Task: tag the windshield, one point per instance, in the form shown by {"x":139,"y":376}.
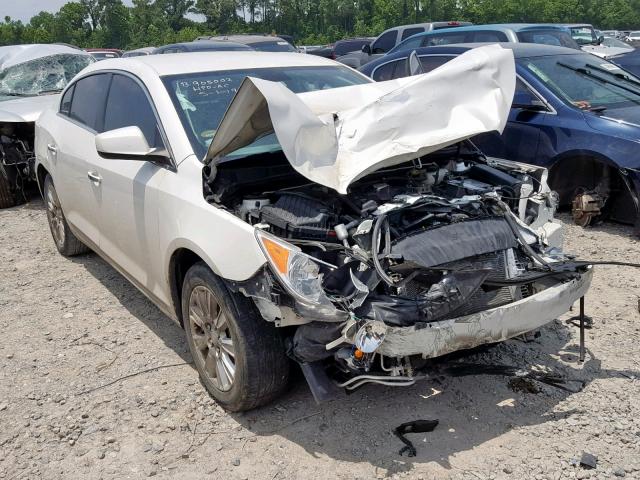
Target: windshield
{"x":279,"y":46}
{"x":585,"y":81}
{"x":614,"y":42}
{"x":584,"y":35}
{"x":42,"y":75}
{"x":548,"y":37}
{"x":201,"y":99}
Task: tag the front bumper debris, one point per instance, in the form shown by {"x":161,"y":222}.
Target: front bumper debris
{"x":495,"y":325}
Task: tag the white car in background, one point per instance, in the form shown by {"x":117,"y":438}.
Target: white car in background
{"x":31,"y":79}
{"x":608,"y":48}
{"x":314,"y":219}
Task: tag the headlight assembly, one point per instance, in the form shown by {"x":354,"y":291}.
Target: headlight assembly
{"x":298,"y":273}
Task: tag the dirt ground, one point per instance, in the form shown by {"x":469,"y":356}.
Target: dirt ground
{"x":77,"y":401}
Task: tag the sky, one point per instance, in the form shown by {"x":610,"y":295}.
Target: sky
{"x":25,"y":9}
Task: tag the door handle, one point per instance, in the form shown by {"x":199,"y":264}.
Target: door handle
{"x":94,"y":177}
{"x":52,"y":149}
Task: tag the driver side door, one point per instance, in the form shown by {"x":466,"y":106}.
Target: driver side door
{"x":129,"y":187}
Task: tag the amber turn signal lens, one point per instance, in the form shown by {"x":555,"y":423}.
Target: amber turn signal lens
{"x":358,"y":354}
{"x":278,"y":254}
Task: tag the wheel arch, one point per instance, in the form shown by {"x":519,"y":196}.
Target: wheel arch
{"x":586,"y":168}
{"x":181,"y":260}
{"x":41,"y":174}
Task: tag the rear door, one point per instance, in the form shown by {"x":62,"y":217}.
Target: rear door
{"x":74,"y":150}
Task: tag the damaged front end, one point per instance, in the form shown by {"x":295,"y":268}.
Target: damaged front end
{"x":389,"y":237}
{"x":415,"y":261}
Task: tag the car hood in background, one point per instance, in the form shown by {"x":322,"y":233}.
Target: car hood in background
{"x":16,"y":54}
{"x":336,"y":136}
{"x":603,"y":51}
{"x":25,"y":109}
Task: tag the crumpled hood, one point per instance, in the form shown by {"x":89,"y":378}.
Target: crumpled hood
{"x":16,"y":54}
{"x":336,"y":136}
{"x":26,"y":109}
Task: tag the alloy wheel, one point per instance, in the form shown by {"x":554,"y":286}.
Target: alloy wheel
{"x":56,"y":217}
{"x":214,"y":345}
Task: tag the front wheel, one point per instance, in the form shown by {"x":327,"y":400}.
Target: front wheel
{"x":239,"y":356}
{"x":66,"y":242}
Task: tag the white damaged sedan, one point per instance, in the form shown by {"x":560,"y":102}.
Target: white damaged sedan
{"x":281,"y":207}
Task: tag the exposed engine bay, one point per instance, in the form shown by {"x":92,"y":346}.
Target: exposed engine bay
{"x":16,"y":155}
{"x":411,"y":246}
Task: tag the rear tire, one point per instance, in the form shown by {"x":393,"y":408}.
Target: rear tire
{"x":66,"y":242}
{"x":10,"y":194}
{"x":239,"y":356}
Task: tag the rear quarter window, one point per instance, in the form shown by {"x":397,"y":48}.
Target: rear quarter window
{"x":409,"y":32}
{"x":389,"y":71}
{"x":443,"y":39}
{"x":482,"y":37}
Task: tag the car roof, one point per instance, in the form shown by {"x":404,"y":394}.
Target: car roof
{"x":246,"y":39}
{"x":179,"y":63}
{"x":502,"y":27}
{"x":425,"y":25}
{"x":520,"y":50}
{"x":207,"y":45}
{"x":574,"y":25}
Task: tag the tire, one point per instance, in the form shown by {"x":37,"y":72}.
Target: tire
{"x":66,"y":242}
{"x":260,"y":366}
{"x":10,"y":196}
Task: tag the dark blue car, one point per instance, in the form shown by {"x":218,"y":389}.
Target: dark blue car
{"x":573,"y":112}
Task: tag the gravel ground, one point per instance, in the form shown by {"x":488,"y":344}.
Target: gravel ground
{"x":76,"y":402}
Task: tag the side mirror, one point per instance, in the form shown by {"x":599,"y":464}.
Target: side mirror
{"x":128,"y":143}
{"x":415,"y":65}
{"x":600,"y":39}
{"x":366,"y":49}
{"x":525,"y":101}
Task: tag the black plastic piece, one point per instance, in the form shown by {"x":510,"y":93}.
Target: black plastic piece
{"x":417,"y":426}
{"x":300,"y":217}
{"x":322,"y":388}
{"x":456,"y":241}
{"x":492,"y":176}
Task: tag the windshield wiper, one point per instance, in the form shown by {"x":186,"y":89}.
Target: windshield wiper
{"x":15,"y":94}
{"x":586,"y":72}
{"x":622,"y":76}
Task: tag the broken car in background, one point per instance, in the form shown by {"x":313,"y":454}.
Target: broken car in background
{"x":31,"y":77}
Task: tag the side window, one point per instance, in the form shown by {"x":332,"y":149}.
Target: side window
{"x":65,"y":103}
{"x":443,"y":39}
{"x":88,"y":100}
{"x":481,"y":37}
{"x":430,"y":63}
{"x":385,"y":43}
{"x":410,"y":32}
{"x":391,"y":70}
{"x":412,"y":43}
{"x":523,"y":94}
{"x":127,"y":106}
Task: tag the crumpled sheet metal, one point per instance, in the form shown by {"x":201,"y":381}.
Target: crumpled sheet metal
{"x":490,"y":326}
{"x":333,"y":137}
{"x":16,"y":54}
